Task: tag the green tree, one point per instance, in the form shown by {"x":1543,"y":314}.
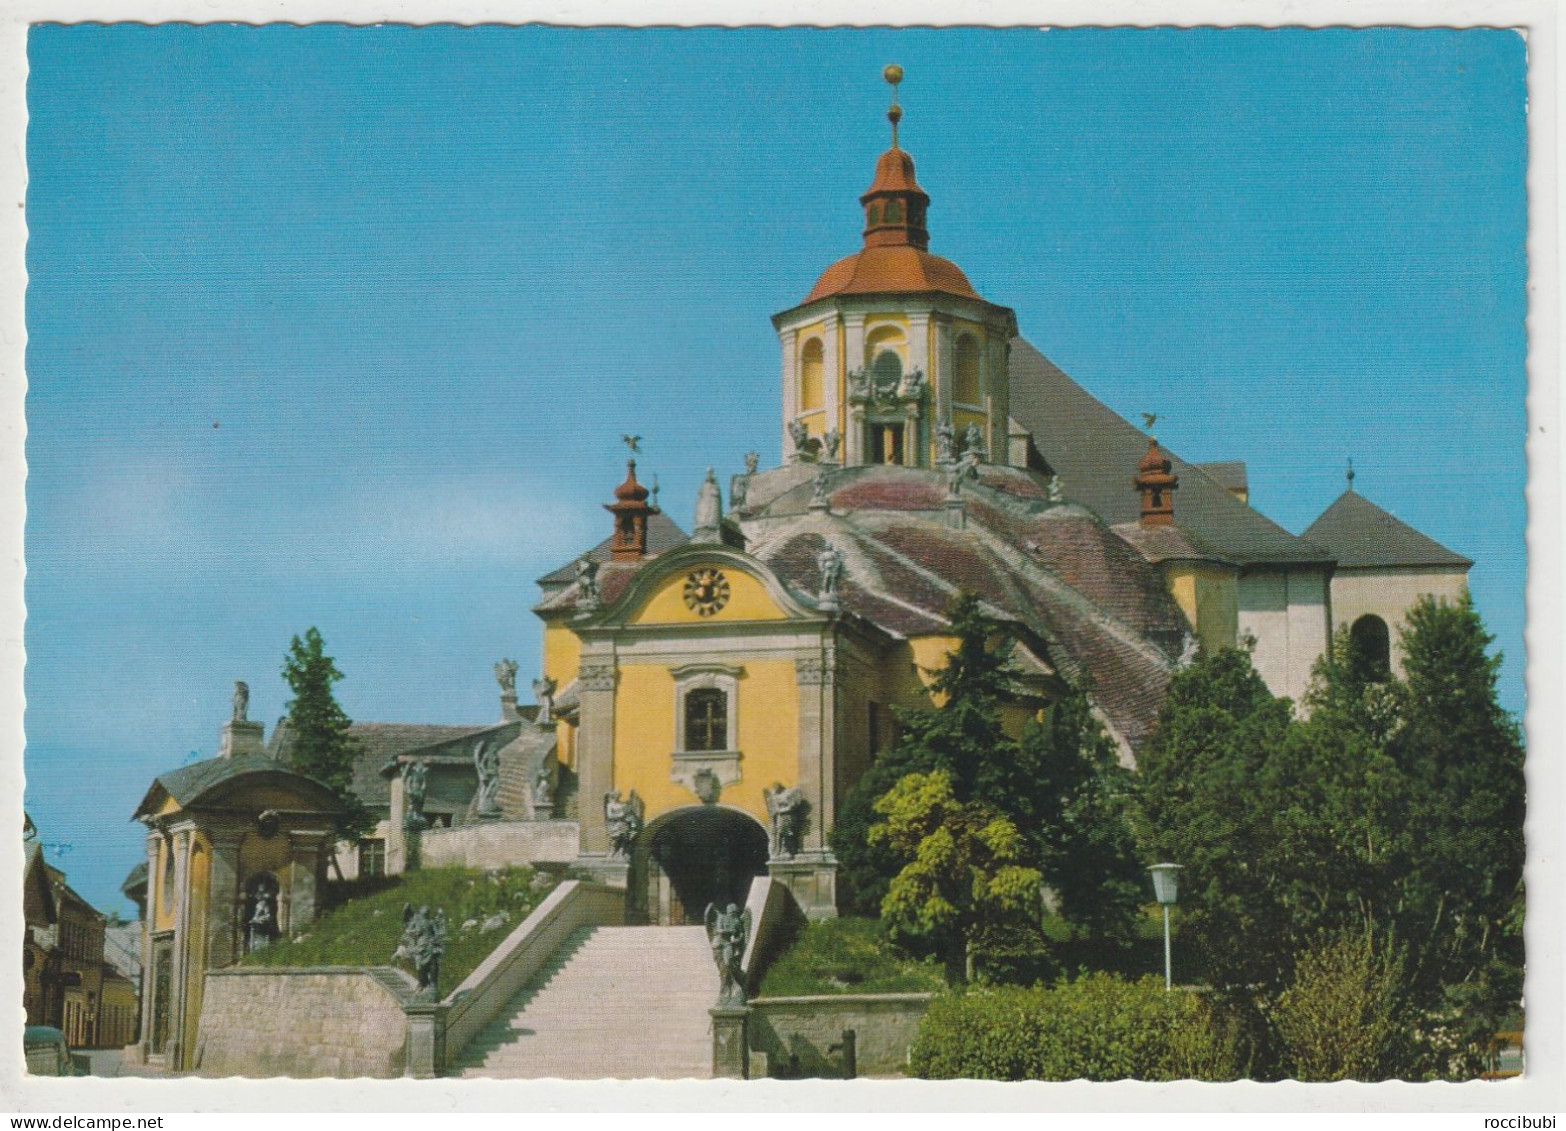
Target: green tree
{"x":1348,"y":1015}
{"x":321,"y":745}
{"x":962,"y":871}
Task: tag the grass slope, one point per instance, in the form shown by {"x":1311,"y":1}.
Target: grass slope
{"x":365,"y":932}
{"x":847,"y":956}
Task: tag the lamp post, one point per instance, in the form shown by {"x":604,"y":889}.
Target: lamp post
{"x":1166,"y":889}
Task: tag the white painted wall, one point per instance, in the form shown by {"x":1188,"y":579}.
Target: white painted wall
{"x":1286,"y":611}
{"x":1389,"y":593}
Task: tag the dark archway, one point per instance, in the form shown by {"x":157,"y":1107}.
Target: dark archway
{"x":1371,"y":646}
{"x":691,"y":857}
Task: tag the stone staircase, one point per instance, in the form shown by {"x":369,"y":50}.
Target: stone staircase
{"x":613,"y":1002}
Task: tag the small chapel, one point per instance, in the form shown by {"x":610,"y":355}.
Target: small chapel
{"x":706,"y":698}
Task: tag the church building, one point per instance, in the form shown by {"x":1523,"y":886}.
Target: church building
{"x":705,"y":701}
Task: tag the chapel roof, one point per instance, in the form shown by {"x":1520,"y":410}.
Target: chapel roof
{"x":189,"y":784}
{"x":1095,"y":451}
{"x":899,"y":269}
{"x":662,"y":534}
{"x":1360,"y":534}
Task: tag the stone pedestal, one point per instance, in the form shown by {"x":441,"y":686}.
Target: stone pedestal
{"x":730,"y":1057}
{"x":241,"y":737}
{"x":811,"y":877}
{"x":614,"y":871}
{"x":412,"y":843}
{"x":425,"y":1051}
{"x":956,"y":514}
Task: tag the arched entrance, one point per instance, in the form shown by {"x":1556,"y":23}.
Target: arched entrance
{"x":691,"y":857}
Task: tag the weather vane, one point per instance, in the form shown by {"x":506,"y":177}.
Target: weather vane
{"x":894,"y":75}
{"x":1351,"y":473}
{"x":1148,"y":420}
{"x":632,"y":442}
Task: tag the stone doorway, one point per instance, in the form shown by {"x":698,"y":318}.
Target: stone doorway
{"x":691,"y":857}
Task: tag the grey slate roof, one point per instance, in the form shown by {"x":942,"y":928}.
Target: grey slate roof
{"x":188,"y":783}
{"x":1230,"y":474}
{"x":1361,"y":534}
{"x":1095,"y":453}
{"x":662,"y":534}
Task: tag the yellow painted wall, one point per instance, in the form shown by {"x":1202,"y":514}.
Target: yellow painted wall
{"x":161,"y":894}
{"x":562,"y":654}
{"x":748,"y":600}
{"x":1209,"y":598}
{"x":767,"y":706}
{"x":196,"y":939}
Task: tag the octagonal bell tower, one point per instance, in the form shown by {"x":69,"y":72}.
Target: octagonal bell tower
{"x":893,"y":357}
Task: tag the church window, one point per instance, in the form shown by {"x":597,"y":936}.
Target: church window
{"x":967,"y":364}
{"x":873,"y":216}
{"x":887,"y":370}
{"x":1370,"y":647}
{"x":706,"y":719}
{"x":893,"y":213}
{"x":810,"y":376}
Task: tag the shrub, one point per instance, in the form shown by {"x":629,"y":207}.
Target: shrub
{"x":847,"y":956}
{"x":1347,"y":1015}
{"x":1098,"y":1027}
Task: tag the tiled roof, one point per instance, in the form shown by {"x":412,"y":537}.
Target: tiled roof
{"x":891,"y":270}
{"x":189,"y":783}
{"x":662,"y":534}
{"x":1361,"y":534}
{"x":1096,"y":453}
{"x":1229,"y":473}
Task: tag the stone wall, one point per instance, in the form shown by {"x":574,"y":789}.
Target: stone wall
{"x":495,"y":844}
{"x":341,"y":1021}
{"x":795,"y":1035}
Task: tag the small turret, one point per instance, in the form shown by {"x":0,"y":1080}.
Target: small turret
{"x":1156,"y":480}
{"x":630,"y":512}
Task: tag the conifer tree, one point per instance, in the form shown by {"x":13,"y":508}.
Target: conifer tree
{"x":320,"y":744}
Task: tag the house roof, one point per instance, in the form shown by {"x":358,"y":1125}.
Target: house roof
{"x":662,"y":534}
{"x":190,"y":784}
{"x":891,"y":270}
{"x":1095,"y":452}
{"x":1230,"y":473}
{"x":1360,"y":534}
{"x":38,"y":903}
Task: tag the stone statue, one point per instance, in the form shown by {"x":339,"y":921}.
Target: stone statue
{"x":727,"y":932}
{"x":544,"y":692}
{"x":973,"y":442}
{"x":241,"y":700}
{"x":829,"y":563}
{"x":544,"y":785}
{"x":798,"y":433}
{"x":709,"y":509}
{"x":945,"y":441}
{"x":423,"y":943}
{"x":587,"y":583}
{"x":752,"y":462}
{"x":486,"y":761}
{"x":506,"y":676}
{"x":1056,"y":493}
{"x":739,"y":491}
{"x":830,"y":443}
{"x":786,"y":807}
{"x":913,"y":384}
{"x":623,"y":822}
{"x":261,"y":923}
{"x":415,"y":781}
{"x":858,"y":383}
{"x":819,"y":492}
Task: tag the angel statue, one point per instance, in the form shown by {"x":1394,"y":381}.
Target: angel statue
{"x":623,"y":822}
{"x":241,"y":700}
{"x":587,"y":583}
{"x":727,"y":932}
{"x":415,"y":782}
{"x":786,"y":807}
{"x":973,"y":442}
{"x":506,"y":676}
{"x":945,"y":441}
{"x":798,"y":433}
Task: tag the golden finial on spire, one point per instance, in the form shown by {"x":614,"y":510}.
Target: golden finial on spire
{"x":893,"y":74}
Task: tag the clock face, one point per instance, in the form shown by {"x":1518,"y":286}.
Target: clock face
{"x":706,"y":591}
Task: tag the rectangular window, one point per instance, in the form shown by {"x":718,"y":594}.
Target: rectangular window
{"x":706,"y":719}
{"x":372,"y":858}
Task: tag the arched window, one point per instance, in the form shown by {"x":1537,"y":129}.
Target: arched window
{"x":706,"y":719}
{"x":810,"y":376}
{"x":967,"y":362}
{"x":1371,"y":648}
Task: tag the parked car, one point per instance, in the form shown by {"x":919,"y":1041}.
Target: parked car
{"x":49,"y":1055}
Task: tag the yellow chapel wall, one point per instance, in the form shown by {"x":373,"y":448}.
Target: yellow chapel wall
{"x":1209,"y":597}
{"x":766,"y":713}
{"x":562,"y":653}
{"x":196,"y":936}
{"x":748,"y":600}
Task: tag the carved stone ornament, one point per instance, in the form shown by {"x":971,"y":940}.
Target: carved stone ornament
{"x":596,"y":677}
{"x":945,"y":441}
{"x":830,"y":444}
{"x":506,"y":676}
{"x":706,"y":592}
{"x":588,"y":594}
{"x":707,"y":786}
{"x":813,"y":670}
{"x":913,"y":385}
{"x":241,"y":700}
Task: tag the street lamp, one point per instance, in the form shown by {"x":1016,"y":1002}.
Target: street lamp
{"x":1166,"y":889}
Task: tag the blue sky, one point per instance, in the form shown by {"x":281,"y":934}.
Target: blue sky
{"x":341,"y":326}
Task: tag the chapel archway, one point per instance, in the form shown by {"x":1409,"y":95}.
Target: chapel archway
{"x":690,"y":857}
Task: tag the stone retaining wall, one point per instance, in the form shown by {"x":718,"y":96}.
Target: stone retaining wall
{"x":340,"y":1021}
{"x":795,"y":1035}
{"x":497,"y":844}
